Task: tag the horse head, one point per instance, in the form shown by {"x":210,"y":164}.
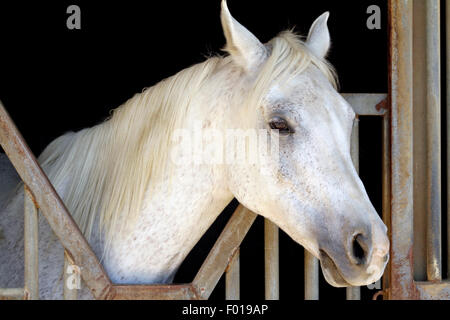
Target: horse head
{"x":310,"y":188}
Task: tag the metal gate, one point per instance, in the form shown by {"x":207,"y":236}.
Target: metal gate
{"x":411,"y":188}
{"x":415,"y":270}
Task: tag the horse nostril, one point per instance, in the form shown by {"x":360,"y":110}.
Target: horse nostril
{"x":359,"y":249}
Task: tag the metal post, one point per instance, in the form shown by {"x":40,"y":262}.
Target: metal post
{"x":354,"y":293}
{"x":272,"y":287}
{"x":232,"y":278}
{"x":311,"y":277}
{"x":401,"y":83}
{"x":433,"y":118}
{"x":31,"y":253}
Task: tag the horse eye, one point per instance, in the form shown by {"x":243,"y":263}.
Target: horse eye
{"x":281,"y":125}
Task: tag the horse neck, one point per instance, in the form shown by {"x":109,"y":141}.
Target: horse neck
{"x":176,"y":212}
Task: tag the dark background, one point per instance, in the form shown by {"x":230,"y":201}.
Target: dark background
{"x":54,"y":80}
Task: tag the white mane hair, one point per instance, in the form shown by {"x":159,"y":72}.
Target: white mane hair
{"x":106,"y":170}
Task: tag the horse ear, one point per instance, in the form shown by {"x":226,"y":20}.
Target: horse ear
{"x":246,"y":50}
{"x":319,"y":36}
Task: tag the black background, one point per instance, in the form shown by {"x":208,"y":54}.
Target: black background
{"x":54,"y":80}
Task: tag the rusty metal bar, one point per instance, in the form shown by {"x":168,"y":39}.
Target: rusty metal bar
{"x":52,"y":207}
{"x":311,"y":277}
{"x":433,"y":118}
{"x":12,"y":293}
{"x":31,"y":252}
{"x":366,"y":104}
{"x":401,"y":97}
{"x":220,"y":255}
{"x":232,"y":278}
{"x":354,"y":293}
{"x":152,"y":292}
{"x":70,"y":270}
{"x":271,"y":261}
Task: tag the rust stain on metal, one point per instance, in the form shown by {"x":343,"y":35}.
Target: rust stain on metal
{"x":231,"y":258}
{"x":31,"y":195}
{"x":382,"y":105}
{"x":432,"y":290}
{"x":381,"y":293}
{"x":402,"y":284}
{"x":401,"y":280}
{"x":401,"y":273}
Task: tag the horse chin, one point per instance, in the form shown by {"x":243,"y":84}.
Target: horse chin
{"x":331,"y":272}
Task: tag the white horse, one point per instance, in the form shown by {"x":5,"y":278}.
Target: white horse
{"x":142,"y":213}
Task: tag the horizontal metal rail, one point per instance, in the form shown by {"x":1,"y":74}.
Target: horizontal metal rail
{"x":12,"y":293}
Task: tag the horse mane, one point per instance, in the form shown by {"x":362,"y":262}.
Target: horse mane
{"x":103,"y":172}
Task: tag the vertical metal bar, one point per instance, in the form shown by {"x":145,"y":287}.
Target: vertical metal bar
{"x":400,"y":88}
{"x":386,"y":183}
{"x":447,"y":23}
{"x":31,"y":253}
{"x":69,"y":271}
{"x":311,"y":277}
{"x":433,"y":118}
{"x":232,"y":278}
{"x":354,"y":293}
{"x":420,"y":150}
{"x":272,"y":270}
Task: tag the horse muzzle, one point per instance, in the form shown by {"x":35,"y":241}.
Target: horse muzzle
{"x":356,"y":264}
